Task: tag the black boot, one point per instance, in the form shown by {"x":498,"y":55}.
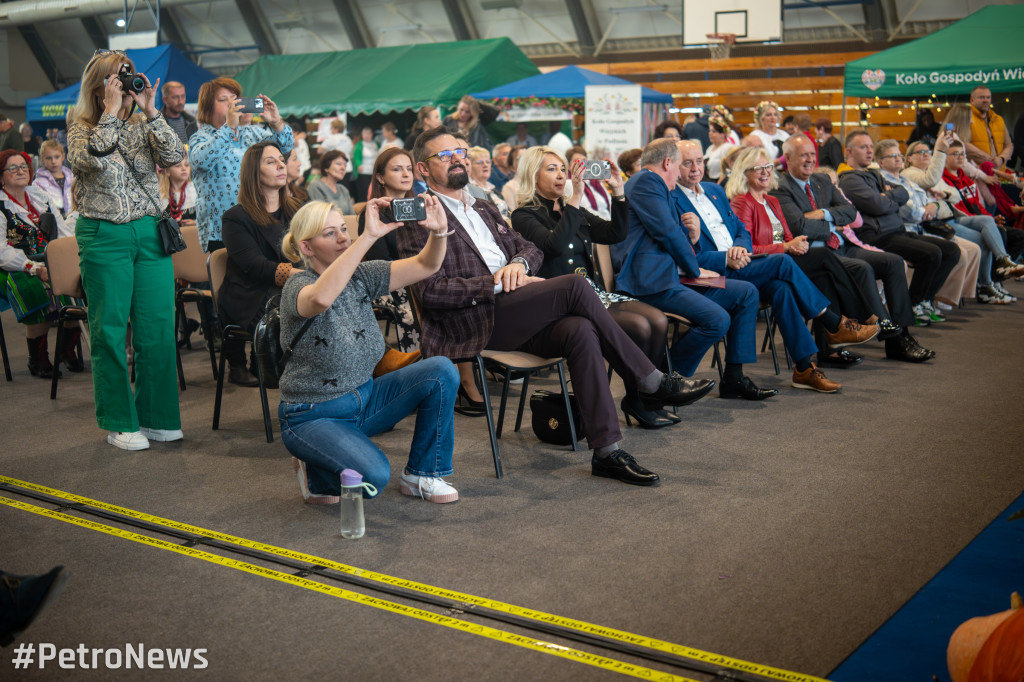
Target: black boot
{"x":39,"y":358}
{"x":70,"y":356}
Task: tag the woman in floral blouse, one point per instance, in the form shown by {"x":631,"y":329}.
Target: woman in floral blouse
{"x":126,"y":274}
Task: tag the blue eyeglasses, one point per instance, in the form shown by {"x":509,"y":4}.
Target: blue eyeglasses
{"x":447,"y":155}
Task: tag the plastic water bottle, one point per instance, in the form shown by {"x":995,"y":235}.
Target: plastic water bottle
{"x":353,"y":524}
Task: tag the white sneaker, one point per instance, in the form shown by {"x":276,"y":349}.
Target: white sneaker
{"x":128,"y":440}
{"x":310,"y":498}
{"x":430,"y":489}
{"x":942,"y":306}
{"x":161,"y":435}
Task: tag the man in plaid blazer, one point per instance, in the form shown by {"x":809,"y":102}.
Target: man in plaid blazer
{"x":484,"y":297}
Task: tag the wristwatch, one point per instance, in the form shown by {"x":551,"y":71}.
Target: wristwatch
{"x":522,"y":261}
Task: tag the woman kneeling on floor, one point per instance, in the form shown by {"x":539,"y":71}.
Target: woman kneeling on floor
{"x":330,"y":402}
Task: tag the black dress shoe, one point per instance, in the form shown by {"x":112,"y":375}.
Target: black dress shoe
{"x":621,"y":466}
{"x":745,"y":388}
{"x":906,"y":348}
{"x":887,"y":329}
{"x":633,"y":407}
{"x":842,"y":358}
{"x":468,"y":407}
{"x":241,"y":376}
{"x":675,"y":390}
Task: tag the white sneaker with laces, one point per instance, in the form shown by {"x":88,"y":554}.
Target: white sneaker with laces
{"x":309,"y":497}
{"x":943,"y":306}
{"x":161,"y":435}
{"x":1002,"y":290}
{"x":430,"y":489}
{"x":128,"y":440}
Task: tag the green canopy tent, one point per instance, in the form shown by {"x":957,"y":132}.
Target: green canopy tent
{"x":983,"y":48}
{"x":384,"y":79}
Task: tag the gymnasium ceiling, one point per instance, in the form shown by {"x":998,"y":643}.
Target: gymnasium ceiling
{"x":226,"y":35}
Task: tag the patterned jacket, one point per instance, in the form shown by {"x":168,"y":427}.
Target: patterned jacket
{"x":457,"y":302}
{"x":105,"y":188}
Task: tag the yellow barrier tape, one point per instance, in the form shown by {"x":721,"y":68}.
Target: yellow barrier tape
{"x":581,"y":626}
{"x":538,"y":645}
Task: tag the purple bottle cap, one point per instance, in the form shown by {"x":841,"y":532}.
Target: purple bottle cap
{"x":351,"y":477}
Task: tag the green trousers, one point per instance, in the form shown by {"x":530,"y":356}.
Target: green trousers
{"x":127,"y":276}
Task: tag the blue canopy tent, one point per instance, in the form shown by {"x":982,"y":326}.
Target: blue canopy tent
{"x":565,"y":89}
{"x":165,"y":62}
{"x":567,"y":82}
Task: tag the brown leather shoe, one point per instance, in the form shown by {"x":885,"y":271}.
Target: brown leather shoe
{"x":814,"y":379}
{"x":850,"y":333}
{"x":393,"y":360}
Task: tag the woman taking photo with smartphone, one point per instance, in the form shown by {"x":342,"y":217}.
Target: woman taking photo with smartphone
{"x":215,"y":151}
{"x":127,"y":276}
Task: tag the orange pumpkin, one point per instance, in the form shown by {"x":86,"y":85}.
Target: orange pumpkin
{"x":989,"y":648}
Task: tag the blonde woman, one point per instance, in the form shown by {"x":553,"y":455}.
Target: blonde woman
{"x":470,"y":117}
{"x":767,"y":117}
{"x":125,"y":272}
{"x":330,"y":403}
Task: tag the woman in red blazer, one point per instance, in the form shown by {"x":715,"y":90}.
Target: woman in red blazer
{"x":753,"y":176}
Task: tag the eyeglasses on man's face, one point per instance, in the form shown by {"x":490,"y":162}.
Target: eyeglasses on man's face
{"x":897,"y":155}
{"x":447,"y":155}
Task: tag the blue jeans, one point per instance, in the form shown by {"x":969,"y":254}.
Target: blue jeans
{"x":335,"y":435}
{"x":983,"y":231}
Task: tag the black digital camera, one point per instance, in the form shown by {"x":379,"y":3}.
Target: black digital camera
{"x":596,"y":170}
{"x":404,"y":210}
{"x":131,"y":82}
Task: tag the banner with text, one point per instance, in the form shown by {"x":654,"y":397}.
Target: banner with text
{"x":614,"y":120}
{"x":896,"y":82}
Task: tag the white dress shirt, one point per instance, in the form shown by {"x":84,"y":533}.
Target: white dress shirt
{"x":711,"y":217}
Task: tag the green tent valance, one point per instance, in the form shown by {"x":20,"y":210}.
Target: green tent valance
{"x":984,"y":48}
{"x":384,"y":79}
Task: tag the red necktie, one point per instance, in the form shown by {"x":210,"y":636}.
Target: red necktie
{"x":833,"y":239}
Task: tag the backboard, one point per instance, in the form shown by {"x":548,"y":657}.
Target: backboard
{"x":753,"y":21}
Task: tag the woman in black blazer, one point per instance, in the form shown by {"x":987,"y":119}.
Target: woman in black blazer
{"x":550,"y":216}
{"x":253,"y":230}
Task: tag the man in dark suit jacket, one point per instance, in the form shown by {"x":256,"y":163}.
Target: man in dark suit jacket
{"x":724,"y":245}
{"x":829,"y":214}
{"x":656,"y":253}
{"x":484,"y":297}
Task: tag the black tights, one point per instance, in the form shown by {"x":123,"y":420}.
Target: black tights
{"x":645,"y":325}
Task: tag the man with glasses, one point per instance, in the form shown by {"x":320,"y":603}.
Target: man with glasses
{"x":485,"y":297}
{"x":879,"y":202}
{"x":181,"y":122}
{"x":10,"y":138}
{"x":723,"y":245}
{"x":814,"y":208}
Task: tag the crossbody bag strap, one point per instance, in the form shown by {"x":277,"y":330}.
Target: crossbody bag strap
{"x":287,"y":352}
{"x":138,"y":181}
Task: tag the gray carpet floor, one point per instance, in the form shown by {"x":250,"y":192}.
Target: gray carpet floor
{"x":783,"y":532}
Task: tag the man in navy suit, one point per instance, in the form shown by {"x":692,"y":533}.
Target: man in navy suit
{"x":654,"y":255}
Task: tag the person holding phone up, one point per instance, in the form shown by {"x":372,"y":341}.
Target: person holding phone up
{"x":215,"y":150}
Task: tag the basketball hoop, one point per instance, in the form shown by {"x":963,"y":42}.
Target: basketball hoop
{"x":721,"y":44}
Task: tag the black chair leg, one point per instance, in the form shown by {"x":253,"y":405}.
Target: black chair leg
{"x":266,"y":407}
{"x":181,"y":372}
{"x":770,"y":335}
{"x":479,"y":371}
{"x":58,"y":344}
{"x":522,"y":400}
{"x":504,"y":401}
{"x":220,"y":391}
{"x":3,"y":350}
{"x":568,"y":406}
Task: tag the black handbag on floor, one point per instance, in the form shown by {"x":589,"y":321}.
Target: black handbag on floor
{"x":550,"y":420}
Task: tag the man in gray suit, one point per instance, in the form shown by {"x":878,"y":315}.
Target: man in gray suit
{"x":815,"y":208}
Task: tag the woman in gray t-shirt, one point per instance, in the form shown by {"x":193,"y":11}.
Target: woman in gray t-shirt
{"x":330,"y":402}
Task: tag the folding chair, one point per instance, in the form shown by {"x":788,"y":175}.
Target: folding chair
{"x":65,"y":280}
{"x":190,"y":265}
{"x":217,"y":264}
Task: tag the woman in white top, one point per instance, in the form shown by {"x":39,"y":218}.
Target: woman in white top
{"x":718,"y":133}
{"x":767,"y":117}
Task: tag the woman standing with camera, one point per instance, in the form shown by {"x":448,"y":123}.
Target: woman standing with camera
{"x":126,"y":274}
